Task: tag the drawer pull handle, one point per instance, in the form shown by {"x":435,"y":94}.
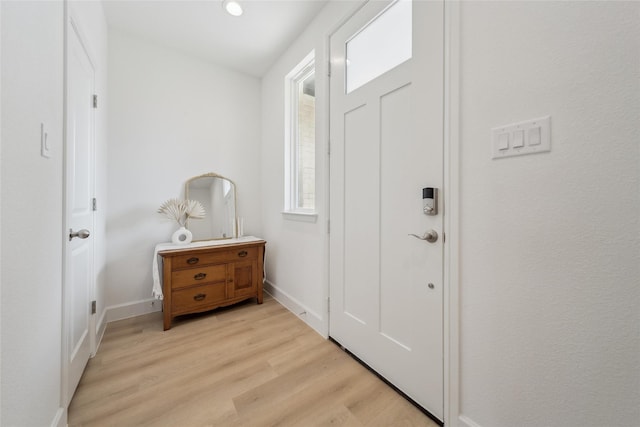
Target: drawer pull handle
{"x":243,"y":254}
{"x":200,"y":276}
{"x":200,"y":297}
{"x":193,"y":260}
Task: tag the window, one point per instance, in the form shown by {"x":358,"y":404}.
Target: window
{"x":381,"y":45}
{"x":300,"y":150}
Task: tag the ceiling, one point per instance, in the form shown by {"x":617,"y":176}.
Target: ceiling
{"x":250,"y":43}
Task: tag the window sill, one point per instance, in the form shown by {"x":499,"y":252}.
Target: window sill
{"x":300,"y":216}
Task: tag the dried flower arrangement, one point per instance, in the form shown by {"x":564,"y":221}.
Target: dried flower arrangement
{"x":181,"y":210}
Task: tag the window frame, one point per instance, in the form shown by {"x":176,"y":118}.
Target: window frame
{"x":298,"y":74}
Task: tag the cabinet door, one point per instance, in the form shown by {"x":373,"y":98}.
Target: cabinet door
{"x":244,"y":278}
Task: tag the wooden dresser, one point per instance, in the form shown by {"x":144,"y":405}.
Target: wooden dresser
{"x":204,"y":278}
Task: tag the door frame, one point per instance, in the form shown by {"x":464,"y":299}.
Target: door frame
{"x":72,"y":24}
{"x":450,"y":199}
{"x":451,"y":142}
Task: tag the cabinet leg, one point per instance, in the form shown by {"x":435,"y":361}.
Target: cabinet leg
{"x":167,"y":320}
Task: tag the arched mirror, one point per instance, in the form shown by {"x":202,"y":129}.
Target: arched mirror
{"x":218,"y":196}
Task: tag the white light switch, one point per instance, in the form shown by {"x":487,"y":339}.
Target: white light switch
{"x":528,"y":137}
{"x":503,"y":141}
{"x":518,"y":139}
{"x":534,"y":136}
{"x":45,"y":144}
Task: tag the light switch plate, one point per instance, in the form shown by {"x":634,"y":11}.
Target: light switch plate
{"x":536,"y":134}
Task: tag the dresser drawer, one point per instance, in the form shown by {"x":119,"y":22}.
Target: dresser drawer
{"x":197,"y":276}
{"x":186,"y":300}
{"x":230,"y":255}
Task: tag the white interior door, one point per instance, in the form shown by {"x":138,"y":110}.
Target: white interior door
{"x":79,"y":183}
{"x":386,"y":297}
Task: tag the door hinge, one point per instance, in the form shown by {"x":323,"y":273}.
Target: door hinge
{"x":93,"y":307}
{"x":329,"y":147}
{"x":95,"y":101}
{"x":329,"y":69}
{"x":329,"y":304}
{"x":328,"y":226}
{"x":94,"y":204}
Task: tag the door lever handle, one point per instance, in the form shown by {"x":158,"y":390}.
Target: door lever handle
{"x":429,"y":235}
{"x":82,"y":234}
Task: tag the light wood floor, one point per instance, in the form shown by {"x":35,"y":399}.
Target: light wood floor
{"x":250,"y":365}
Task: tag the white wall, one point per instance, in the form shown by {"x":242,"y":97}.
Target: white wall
{"x":297,"y":251}
{"x":32,"y":93}
{"x":550,"y":257}
{"x":32,"y":234}
{"x":171,"y":117}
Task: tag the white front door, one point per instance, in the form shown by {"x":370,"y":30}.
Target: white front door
{"x":79,"y":191}
{"x":386,"y":130}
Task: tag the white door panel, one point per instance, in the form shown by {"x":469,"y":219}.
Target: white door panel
{"x":359,"y":199}
{"x":386,"y":145}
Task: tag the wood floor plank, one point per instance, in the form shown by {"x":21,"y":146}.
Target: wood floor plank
{"x":243,"y":366}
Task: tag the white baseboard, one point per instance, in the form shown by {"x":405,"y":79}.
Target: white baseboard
{"x":132,"y":309}
{"x":60,"y":420}
{"x":464,"y":421}
{"x":102,"y":326}
{"x":296,"y":307}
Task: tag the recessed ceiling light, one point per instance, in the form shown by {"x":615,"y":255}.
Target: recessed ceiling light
{"x":232,"y":7}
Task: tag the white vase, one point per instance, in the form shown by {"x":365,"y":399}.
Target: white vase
{"x":182,"y":236}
